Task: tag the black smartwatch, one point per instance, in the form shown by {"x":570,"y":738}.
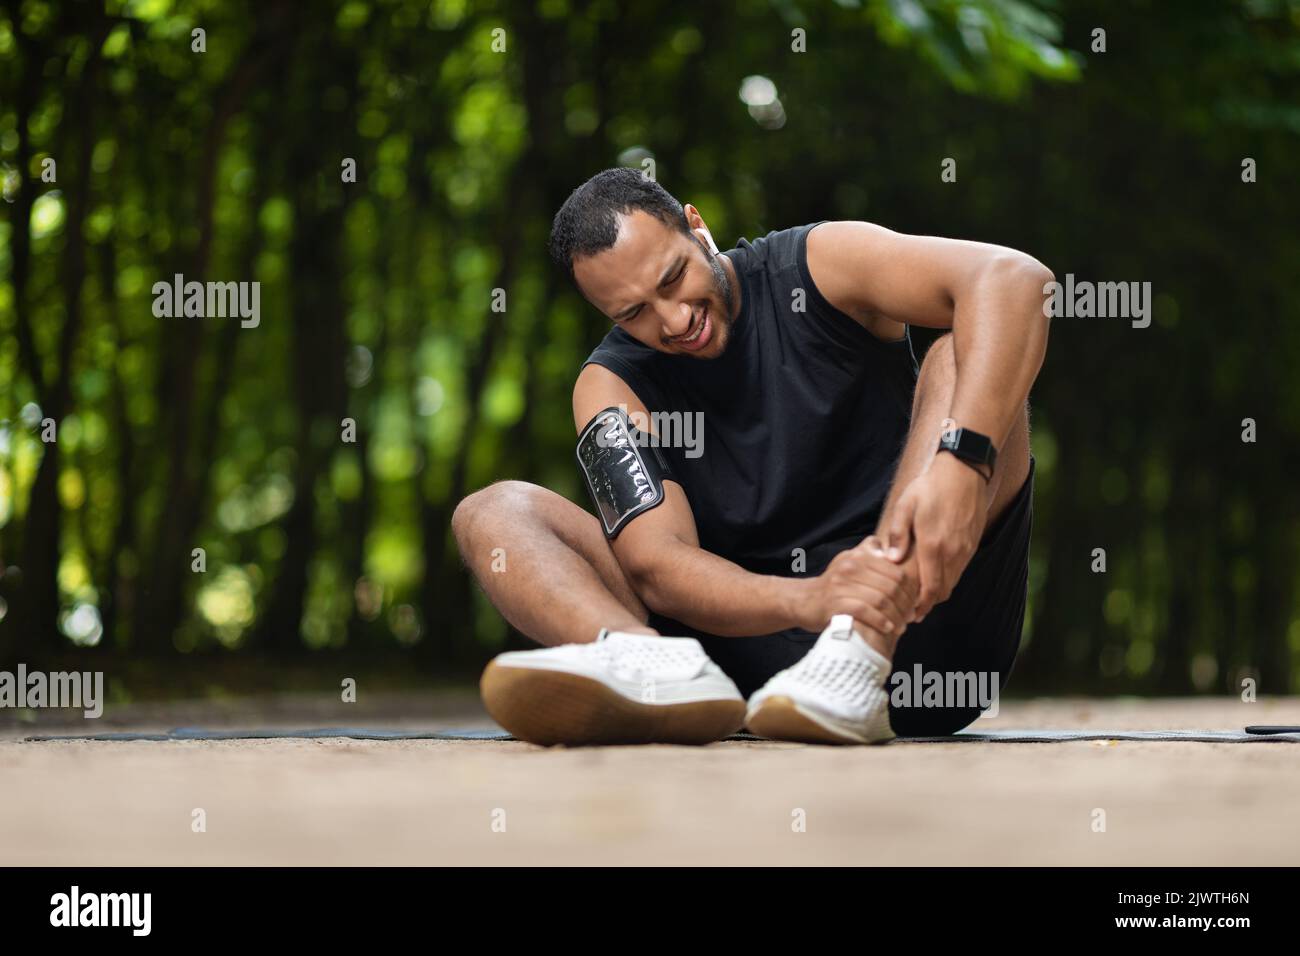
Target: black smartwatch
{"x":971,"y":447}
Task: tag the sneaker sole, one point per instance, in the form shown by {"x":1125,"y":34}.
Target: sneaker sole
{"x":780,"y":718}
{"x":549,"y":707}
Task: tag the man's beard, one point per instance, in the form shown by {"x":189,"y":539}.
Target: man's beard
{"x":722,"y":288}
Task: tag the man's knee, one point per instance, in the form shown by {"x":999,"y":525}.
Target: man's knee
{"x":502,"y":500}
{"x":937,"y":376}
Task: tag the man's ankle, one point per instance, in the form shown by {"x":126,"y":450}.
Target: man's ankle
{"x":880,"y":643}
{"x":635,"y":629}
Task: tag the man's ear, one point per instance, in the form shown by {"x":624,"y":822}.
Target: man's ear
{"x":696,"y":223}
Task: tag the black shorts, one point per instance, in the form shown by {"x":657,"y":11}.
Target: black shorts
{"x":977,"y":630}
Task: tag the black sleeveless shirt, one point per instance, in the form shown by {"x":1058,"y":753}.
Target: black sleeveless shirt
{"x":803,"y":416}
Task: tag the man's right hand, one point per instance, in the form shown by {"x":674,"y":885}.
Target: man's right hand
{"x":862,"y":582}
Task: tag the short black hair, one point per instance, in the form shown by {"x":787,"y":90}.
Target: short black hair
{"x":587,"y":223}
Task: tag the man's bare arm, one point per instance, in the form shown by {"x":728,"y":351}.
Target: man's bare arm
{"x":990,"y":296}
{"x":992,"y":299}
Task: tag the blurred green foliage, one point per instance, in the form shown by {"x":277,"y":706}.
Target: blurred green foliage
{"x":176,"y":434}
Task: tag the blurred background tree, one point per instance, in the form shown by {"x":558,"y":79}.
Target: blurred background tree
{"x":1115,"y":157}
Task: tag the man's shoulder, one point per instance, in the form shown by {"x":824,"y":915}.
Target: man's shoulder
{"x":778,"y":249}
{"x":620,"y":348}
{"x":637,"y":365}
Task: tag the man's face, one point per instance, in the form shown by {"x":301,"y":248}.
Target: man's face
{"x":663,"y":287}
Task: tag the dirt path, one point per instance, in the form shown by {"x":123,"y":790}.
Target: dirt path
{"x":341,"y":801}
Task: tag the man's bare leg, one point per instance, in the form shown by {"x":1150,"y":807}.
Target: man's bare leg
{"x":554,"y":577}
{"x":545,"y":564}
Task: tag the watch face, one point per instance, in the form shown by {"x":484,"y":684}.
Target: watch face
{"x":967,"y":445}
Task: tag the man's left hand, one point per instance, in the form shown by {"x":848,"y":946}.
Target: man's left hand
{"x":941,"y":513}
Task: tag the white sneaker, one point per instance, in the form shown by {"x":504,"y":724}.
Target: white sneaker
{"x":621,"y":689}
{"x":834,"y":694}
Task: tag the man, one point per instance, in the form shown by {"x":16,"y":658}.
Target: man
{"x":834,"y":486}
